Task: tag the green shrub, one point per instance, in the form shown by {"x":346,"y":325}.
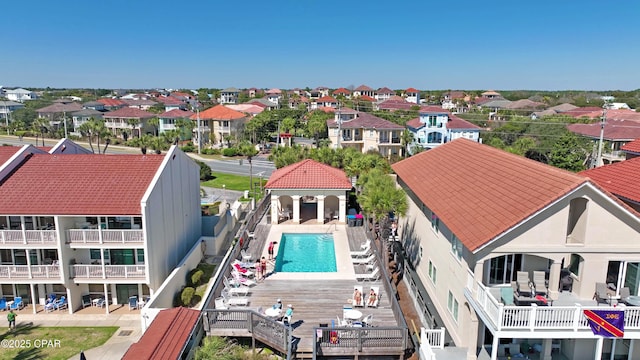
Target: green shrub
{"x":230,"y":152}
{"x":187,"y":296}
{"x":188,"y":147}
{"x":196,"y":277}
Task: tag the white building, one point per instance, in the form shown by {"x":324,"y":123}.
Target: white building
{"x":437,"y":126}
{"x":481,"y":221}
{"x":107,"y":226}
{"x":20,"y":95}
{"x":229,"y":96}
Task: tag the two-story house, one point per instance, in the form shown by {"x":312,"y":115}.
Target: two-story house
{"x":108,"y":226}
{"x":436,"y":126}
{"x":20,"y":94}
{"x":325,"y":101}
{"x":218,"y":124}
{"x":128,"y":118}
{"x":229,"y":96}
{"x":345,"y":93}
{"x":412,"y":95}
{"x":366,"y":132}
{"x":84,"y":115}
{"x":364,"y":90}
{"x":169,"y":120}
{"x":274,"y":96}
{"x":506,"y":253}
{"x":7,"y":107}
{"x":384,"y":93}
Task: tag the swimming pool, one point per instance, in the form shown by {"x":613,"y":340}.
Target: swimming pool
{"x":306,"y":253}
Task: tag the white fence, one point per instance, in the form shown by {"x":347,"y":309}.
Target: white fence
{"x":101,"y":236}
{"x":37,"y":237}
{"x":29,"y":272}
{"x":109,"y":271}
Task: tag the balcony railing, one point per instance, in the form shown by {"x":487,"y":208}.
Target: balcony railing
{"x":536,"y":318}
{"x":431,"y":339}
{"x":101,"y":236}
{"x":108,"y":272}
{"x":29,"y":237}
{"x":29,"y":272}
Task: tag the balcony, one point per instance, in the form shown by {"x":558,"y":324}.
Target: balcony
{"x":28,"y":237}
{"x":134,"y":272}
{"x":21,"y":272}
{"x":101,"y":236}
{"x":537,"y":321}
{"x":350,"y":138}
{"x":388,"y":140}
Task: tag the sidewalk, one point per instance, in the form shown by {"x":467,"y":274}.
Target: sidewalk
{"x":114,"y":348}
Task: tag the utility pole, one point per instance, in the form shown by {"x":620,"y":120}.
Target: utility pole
{"x":199,"y":131}
{"x":64,"y":119}
{"x":603,"y":121}
{"x":339,"y":127}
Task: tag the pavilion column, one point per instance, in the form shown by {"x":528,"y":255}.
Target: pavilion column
{"x":554,"y":280}
{"x":342,"y":214}
{"x":275,"y":206}
{"x":320,"y":210}
{"x":296,"y":208}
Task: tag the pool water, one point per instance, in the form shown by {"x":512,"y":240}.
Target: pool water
{"x":306,"y":253}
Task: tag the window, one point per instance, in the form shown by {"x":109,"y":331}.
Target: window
{"x":435,"y":222}
{"x":140,"y":254}
{"x":432,"y":120}
{"x":433,"y":272}
{"x":452,"y":306}
{"x":576,"y":264}
{"x":456,"y":247}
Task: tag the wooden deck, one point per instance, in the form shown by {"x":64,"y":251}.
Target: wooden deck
{"x":315,"y":302}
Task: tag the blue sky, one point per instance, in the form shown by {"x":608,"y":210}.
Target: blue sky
{"x":429,"y":45}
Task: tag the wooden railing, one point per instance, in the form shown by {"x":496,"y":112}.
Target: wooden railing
{"x":29,"y":272}
{"x":268,"y":331}
{"x":103,"y":236}
{"x":109,"y":271}
{"x":532,"y":318}
{"x":359,"y":339}
{"x":35,"y":237}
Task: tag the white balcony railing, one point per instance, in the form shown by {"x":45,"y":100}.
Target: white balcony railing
{"x":29,"y":272}
{"x":29,"y":237}
{"x":532,"y":318}
{"x":430,"y":339}
{"x":101,"y":236}
{"x":109,"y":272}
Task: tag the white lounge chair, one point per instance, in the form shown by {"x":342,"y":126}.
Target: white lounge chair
{"x":235,"y":290}
{"x":246,"y":257}
{"x":362,"y":261}
{"x":357,"y":302}
{"x":241,"y":270}
{"x":241,"y":280}
{"x":376,"y":291}
{"x":361,"y":253}
{"x":234,"y":301}
{"x":366,"y":245}
{"x":369,"y":276}
{"x":368,"y":320}
{"x":220,"y":304}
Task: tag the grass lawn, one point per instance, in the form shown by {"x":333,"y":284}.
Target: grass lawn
{"x":231,"y":182}
{"x":35,"y":342}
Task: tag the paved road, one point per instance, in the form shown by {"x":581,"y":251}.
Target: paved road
{"x":236,"y":166}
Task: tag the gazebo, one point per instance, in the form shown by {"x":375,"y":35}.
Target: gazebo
{"x":308,"y":190}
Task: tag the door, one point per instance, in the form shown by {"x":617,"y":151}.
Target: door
{"x":122,"y":257}
{"x":125,"y":291}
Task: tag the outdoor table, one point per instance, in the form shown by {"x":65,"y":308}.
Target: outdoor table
{"x":273,"y":313}
{"x":632,"y":300}
{"x":95,"y":301}
{"x":351,"y":315}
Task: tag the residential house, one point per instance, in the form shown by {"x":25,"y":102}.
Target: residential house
{"x":345,"y":114}
{"x":490,"y":94}
{"x":620,"y":179}
{"x":229,"y":96}
{"x":429,"y":129}
{"x":480,"y":219}
{"x":82,"y":116}
{"x":345,"y":93}
{"x":318,"y":92}
{"x":172,"y":103}
{"x":620,"y":127}
{"x":394,"y":103}
{"x":7,"y":107}
{"x":142,"y":104}
{"x":252,"y":92}
{"x":384,"y":93}
{"x":20,"y":94}
{"x":412,"y":95}
{"x":182,"y":96}
{"x":58,"y":113}
{"x":296,"y":101}
{"x":169,"y":120}
{"x":364,"y":90}
{"x":274,"y":96}
{"x":325,"y":101}
{"x":110,"y":238}
{"x":249,"y":109}
{"x":94,"y":105}
{"x":126,"y":119}
{"x":112,"y":104}
{"x":219,"y":124}
{"x":365,"y":133}
{"x":263,"y":103}
{"x":631,"y":149}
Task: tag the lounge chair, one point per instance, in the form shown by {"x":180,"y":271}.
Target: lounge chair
{"x":362,"y":253}
{"x":366,"y":245}
{"x":234,"y":301}
{"x":133,"y":302}
{"x":523,"y":283}
{"x":506,"y":294}
{"x":369,"y":276}
{"x":376,"y":291}
{"x":220,"y":303}
{"x":3,"y":304}
{"x":241,"y":280}
{"x":50,"y":305}
{"x":364,"y":261}
{"x":601,"y":296}
{"x":368,"y":320}
{"x":540,"y":283}
{"x":240,"y":270}
{"x":357,"y":290}
{"x":86,"y":301}
{"x":235,"y":290}
{"x":17,"y":303}
{"x":61,"y":303}
{"x":246,"y":257}
{"x":100,"y":302}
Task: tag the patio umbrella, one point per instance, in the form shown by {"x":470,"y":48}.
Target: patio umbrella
{"x":82,"y":357}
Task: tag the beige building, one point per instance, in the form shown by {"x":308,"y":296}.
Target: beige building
{"x":506,"y":253}
{"x":366,"y":132}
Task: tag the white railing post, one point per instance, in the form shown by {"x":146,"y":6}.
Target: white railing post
{"x":532,"y":316}
{"x":500,"y":316}
{"x":100,"y":235}
{"x":122,"y":237}
{"x":576,"y":317}
{"x":126,"y":273}
{"x":3,"y":237}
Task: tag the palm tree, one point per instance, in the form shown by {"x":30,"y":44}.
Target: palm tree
{"x":406,"y":139}
{"x":249,"y":150}
{"x":155,"y":122}
{"x":86,"y":129}
{"x":144,"y":142}
{"x":134,"y":124}
{"x":40,"y":125}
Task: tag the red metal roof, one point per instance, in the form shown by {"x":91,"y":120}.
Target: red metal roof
{"x":219,"y":112}
{"x":412,"y":90}
{"x":366,"y":121}
{"x":458,"y":123}
{"x":308,"y":174}
{"x":166,"y":336}
{"x":480,"y":192}
{"x":363,"y":88}
{"x":176,"y":114}
{"x":130,"y":113}
{"x":433,"y":109}
{"x":169,"y":100}
{"x":328,"y":99}
{"x":366,"y":98}
{"x":6,"y":152}
{"x":341,"y":91}
{"x":620,"y":179}
{"x":632,"y":147}
{"x":111,"y":102}
{"x":79,"y":185}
